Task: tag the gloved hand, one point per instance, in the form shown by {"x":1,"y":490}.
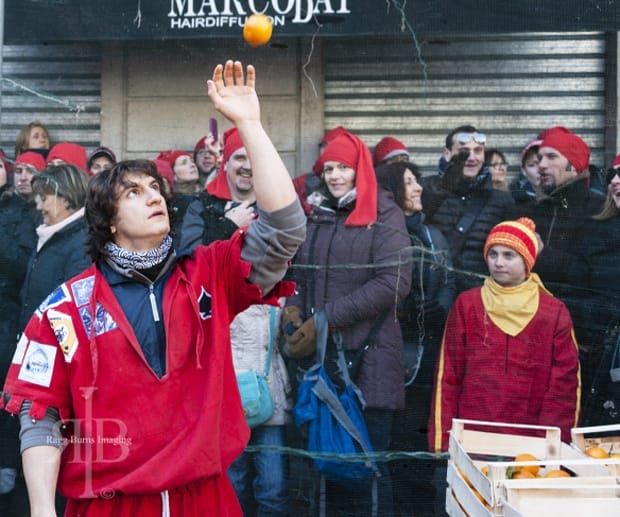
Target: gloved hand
{"x":454,"y":171}
{"x":291,"y":319}
{"x":302,"y":342}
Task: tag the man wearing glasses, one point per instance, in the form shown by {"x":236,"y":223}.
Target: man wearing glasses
{"x":461,"y":201}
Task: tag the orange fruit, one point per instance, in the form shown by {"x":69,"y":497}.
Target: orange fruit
{"x":257,"y":30}
{"x":557,"y":473}
{"x":597,"y":452}
{"x":523,"y":474}
{"x":527,"y":457}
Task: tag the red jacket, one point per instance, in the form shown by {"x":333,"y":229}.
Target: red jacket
{"x":131,"y":431}
{"x":485,"y":374}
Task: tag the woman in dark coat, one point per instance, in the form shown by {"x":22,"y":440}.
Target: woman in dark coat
{"x":593,"y":301}
{"x":60,"y":191}
{"x":422,"y":317}
{"x":356,"y":271}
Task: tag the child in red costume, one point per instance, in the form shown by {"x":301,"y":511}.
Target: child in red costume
{"x":509,"y":353}
{"x":123,"y":379}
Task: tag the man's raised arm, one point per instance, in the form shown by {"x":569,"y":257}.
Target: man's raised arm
{"x":235,"y":97}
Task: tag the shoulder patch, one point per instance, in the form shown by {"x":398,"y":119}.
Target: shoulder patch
{"x":204,"y":304}
{"x":82,"y":289}
{"x":102,"y":322}
{"x":38,"y":364}
{"x":18,"y":356}
{"x":63,"y":328}
{"x":55,"y":298}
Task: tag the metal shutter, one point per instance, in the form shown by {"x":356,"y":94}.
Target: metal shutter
{"x":56,"y":84}
{"x":508,"y":86}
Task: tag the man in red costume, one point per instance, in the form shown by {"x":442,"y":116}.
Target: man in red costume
{"x":124,"y":379}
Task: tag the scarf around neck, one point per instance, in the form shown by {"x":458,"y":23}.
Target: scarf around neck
{"x":45,"y":232}
{"x":139,"y":260}
{"x":512,"y":308}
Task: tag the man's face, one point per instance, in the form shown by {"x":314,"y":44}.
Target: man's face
{"x":101,"y":163}
{"x":239,"y":175}
{"x":22,"y":178}
{"x":474,"y":146}
{"x":141,"y":222}
{"x":206,"y":160}
{"x":554,"y":169}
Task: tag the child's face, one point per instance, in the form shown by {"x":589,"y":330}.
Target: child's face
{"x":506,"y":266}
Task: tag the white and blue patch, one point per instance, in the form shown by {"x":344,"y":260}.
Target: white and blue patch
{"x":204,"y":304}
{"x":102,"y":322}
{"x":82,"y":289}
{"x":55,"y":298}
{"x":20,"y":351}
{"x":38,"y":364}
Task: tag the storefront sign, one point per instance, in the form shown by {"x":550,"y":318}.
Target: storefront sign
{"x":35,"y":21}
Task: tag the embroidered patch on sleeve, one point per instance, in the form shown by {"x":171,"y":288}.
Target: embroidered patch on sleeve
{"x":55,"y":298}
{"x":18,"y":356}
{"x":102,"y":322}
{"x":82,"y":289}
{"x":204,"y":304}
{"x":64,"y":331}
{"x":38,"y":364}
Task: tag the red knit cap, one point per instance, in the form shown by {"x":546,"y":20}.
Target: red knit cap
{"x":32,"y":159}
{"x":574,"y":149}
{"x":219,"y":186}
{"x":327,"y":138}
{"x":519,"y":235}
{"x":387,"y":148}
{"x":331,"y":134}
{"x":351,"y":151}
{"x":171,"y":156}
{"x":70,"y":153}
{"x":165,"y":170}
{"x":616,"y":162}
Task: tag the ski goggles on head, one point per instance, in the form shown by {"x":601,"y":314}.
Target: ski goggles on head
{"x":611,"y":173}
{"x":465,"y":138}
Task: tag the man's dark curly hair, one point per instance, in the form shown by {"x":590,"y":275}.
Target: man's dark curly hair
{"x":102,"y":200}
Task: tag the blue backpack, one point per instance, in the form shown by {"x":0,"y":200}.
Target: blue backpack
{"x":336,"y":425}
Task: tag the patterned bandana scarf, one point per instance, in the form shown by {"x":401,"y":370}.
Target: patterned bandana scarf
{"x":139,"y":260}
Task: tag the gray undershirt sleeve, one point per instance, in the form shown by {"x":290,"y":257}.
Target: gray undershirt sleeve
{"x":272,"y":241}
{"x":39,"y":432}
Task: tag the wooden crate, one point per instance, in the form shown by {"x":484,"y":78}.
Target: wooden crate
{"x":471,"y":493}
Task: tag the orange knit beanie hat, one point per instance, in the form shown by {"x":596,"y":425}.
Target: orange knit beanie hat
{"x":520,"y":235}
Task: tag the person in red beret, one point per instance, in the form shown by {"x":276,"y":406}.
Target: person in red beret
{"x":18,"y":221}
{"x":207,"y":156}
{"x":307,"y":183}
{"x":186,"y":180}
{"x":347,"y":269}
{"x":229,"y":202}
{"x":564,"y":205}
{"x":26,"y":166}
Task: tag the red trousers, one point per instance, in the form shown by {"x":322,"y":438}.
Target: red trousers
{"x":214,"y":497}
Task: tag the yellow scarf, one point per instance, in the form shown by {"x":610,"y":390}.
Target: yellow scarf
{"x":512,"y":308}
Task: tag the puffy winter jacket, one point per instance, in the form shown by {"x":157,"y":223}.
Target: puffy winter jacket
{"x":353,"y":274}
